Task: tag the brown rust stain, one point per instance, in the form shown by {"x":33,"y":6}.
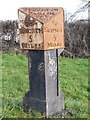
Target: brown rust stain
{"x":29,"y":22}
{"x":41,"y":14}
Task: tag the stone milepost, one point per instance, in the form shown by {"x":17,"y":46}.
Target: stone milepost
{"x":42,"y":34}
{"x":41,"y":28}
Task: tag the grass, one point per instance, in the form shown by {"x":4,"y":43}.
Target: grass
{"x":74,"y":83}
{"x":73,"y":77}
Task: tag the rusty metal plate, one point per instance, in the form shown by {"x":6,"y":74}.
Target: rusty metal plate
{"x":54,"y":32}
{"x":41,"y":28}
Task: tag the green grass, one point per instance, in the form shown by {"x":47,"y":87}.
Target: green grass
{"x":73,"y":77}
{"x":74,"y":83}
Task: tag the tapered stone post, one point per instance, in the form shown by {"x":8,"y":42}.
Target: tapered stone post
{"x":41,"y":33}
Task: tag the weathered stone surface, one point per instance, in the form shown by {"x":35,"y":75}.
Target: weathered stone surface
{"x":44,"y":94}
{"x":37,"y":74}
